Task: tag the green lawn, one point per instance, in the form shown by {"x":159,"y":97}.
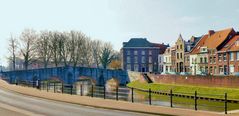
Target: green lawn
{"x":214,"y":92}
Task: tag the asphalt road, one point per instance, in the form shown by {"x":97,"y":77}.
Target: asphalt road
{"x":43,"y":107}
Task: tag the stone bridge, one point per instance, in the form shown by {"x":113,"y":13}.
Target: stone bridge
{"x":68,"y":75}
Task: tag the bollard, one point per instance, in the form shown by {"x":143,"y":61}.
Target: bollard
{"x":225,"y":103}
{"x":132,"y":95}
{"x":149,"y":96}
{"x":117,"y":93}
{"x":195,"y":98}
{"x":104,"y":91}
{"x":171,"y":98}
{"x":81,"y":90}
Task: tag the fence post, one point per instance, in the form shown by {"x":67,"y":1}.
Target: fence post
{"x":195,"y":98}
{"x":132,"y":95}
{"x":54,"y":87}
{"x":81,"y":90}
{"x":104,"y":91}
{"x":117,"y":93}
{"x":92,"y":90}
{"x":171,"y":98}
{"x":32,"y":84}
{"x":225,"y":103}
{"x":149,"y":96}
{"x":71,"y":89}
{"x":62,"y":87}
{"x":47,"y":86}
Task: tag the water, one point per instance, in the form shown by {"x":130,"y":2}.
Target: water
{"x":125,"y":93}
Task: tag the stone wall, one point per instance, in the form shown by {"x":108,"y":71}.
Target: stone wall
{"x":211,"y":81}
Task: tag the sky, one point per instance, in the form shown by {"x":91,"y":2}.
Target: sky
{"x":116,"y":21}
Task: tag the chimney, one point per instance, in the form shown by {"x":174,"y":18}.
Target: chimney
{"x":211,"y":32}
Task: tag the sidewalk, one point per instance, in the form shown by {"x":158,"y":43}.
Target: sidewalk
{"x":106,"y":103}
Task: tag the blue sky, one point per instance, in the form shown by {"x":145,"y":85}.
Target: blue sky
{"x":117,"y":21}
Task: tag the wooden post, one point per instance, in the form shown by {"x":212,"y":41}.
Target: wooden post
{"x":104,"y":91}
{"x":81,"y":90}
{"x":47,"y":86}
{"x":149,"y":96}
{"x":171,"y":98}
{"x":71,"y":89}
{"x":117,"y":93}
{"x":225,"y":103}
{"x":54,"y":84}
{"x":195,"y":98}
{"x":62,"y":87}
{"x":92,"y":91}
{"x":132,"y":95}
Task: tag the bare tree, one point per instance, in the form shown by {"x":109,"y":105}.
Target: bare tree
{"x":56,"y":53}
{"x":96,"y":50}
{"x":44,"y":51}
{"x":65,"y":47}
{"x":27,"y":43}
{"x":13,"y":49}
{"x":106,"y":55}
{"x":86,"y":54}
{"x":76,"y":43}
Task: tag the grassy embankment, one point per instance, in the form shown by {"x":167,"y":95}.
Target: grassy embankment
{"x":212,"y":92}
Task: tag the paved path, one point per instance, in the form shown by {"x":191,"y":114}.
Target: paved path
{"x":43,"y":107}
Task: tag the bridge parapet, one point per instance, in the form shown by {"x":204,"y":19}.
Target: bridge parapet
{"x":68,"y":74}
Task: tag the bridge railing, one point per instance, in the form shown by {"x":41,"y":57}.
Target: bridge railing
{"x":164,"y":98}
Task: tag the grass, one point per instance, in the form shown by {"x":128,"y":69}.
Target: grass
{"x":212,"y":92}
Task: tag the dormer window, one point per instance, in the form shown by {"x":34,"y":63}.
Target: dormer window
{"x":203,"y":49}
{"x":237,"y":42}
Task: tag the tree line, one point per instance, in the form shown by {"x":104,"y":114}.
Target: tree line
{"x":54,"y":49}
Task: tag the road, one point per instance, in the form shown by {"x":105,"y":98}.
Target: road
{"x":43,"y":107}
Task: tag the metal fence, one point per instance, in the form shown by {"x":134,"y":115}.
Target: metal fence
{"x":193,"y":100}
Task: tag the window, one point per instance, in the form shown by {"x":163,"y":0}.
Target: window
{"x":219,"y":57}
{"x":231,"y":68}
{"x":150,"y":59}
{"x":128,"y":59}
{"x":205,"y":60}
{"x":135,"y":59}
{"x":135,"y":52}
{"x":136,"y":67}
{"x":143,"y":52}
{"x":128,"y":52}
{"x":201,"y":60}
{"x":181,"y":46}
{"x":150,"y":52}
{"x":214,"y":59}
{"x":231,"y":56}
{"x":143,"y":59}
{"x":181,"y":55}
{"x":128,"y":67}
{"x":225,"y":57}
{"x":237,"y":55}
{"x":177,"y":56}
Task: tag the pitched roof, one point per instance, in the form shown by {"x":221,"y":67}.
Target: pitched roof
{"x":212,"y":41}
{"x":231,"y":45}
{"x":142,"y":42}
{"x":200,"y":43}
{"x":137,"y":42}
{"x":217,"y":38}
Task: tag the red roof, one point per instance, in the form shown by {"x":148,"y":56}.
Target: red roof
{"x":212,"y":41}
{"x":231,"y":45}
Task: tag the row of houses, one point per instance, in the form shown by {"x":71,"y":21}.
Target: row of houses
{"x":214,"y":53}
